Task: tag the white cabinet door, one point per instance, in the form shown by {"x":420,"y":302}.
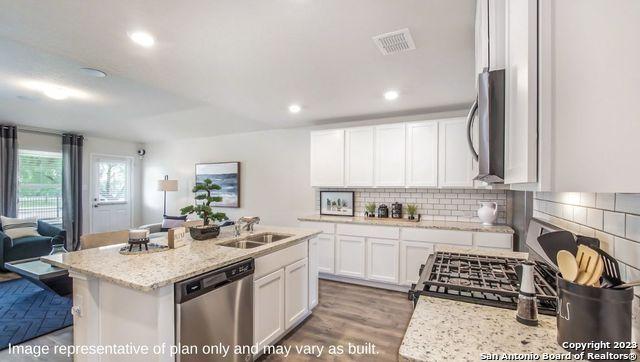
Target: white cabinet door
{"x":422,"y":154}
{"x":268,"y":308}
{"x":326,"y":253}
{"x":412,"y":254}
{"x":296,"y":304}
{"x":350,"y":256}
{"x":455,"y":166}
{"x":313,"y":273}
{"x":382,"y":260}
{"x":359,"y":156}
{"x":327,"y":158}
{"x":390,"y":155}
{"x":521,"y":92}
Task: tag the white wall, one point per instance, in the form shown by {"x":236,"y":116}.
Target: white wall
{"x":274,"y":174}
{"x":92,"y":145}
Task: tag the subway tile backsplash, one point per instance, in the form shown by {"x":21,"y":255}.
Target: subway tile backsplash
{"x":433,"y":204}
{"x":612,"y":218}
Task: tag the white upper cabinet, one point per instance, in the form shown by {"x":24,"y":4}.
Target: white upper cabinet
{"x":422,"y":154}
{"x":327,"y":158}
{"x":359,"y":156}
{"x":521,"y":98}
{"x":455,"y":161}
{"x":390,"y":155}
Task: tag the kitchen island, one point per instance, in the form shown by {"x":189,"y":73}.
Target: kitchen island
{"x":129,"y":299}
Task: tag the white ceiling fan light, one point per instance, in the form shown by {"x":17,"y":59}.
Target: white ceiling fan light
{"x":295,"y":108}
{"x":142,"y":38}
{"x":391,"y":95}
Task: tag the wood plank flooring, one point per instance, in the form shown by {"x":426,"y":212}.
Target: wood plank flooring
{"x":4,"y":276}
{"x":345,"y":314}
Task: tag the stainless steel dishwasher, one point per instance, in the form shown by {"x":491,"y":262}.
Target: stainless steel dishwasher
{"x":216,"y":308}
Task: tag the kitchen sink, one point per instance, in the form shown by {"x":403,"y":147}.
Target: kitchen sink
{"x":253,"y":241}
{"x":266,"y":238}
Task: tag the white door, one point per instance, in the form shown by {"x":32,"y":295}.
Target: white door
{"x":296,"y":304}
{"x":382,"y":260}
{"x":359,"y":156}
{"x":313,"y":273}
{"x":350,"y":256}
{"x":422,"y":154}
{"x":111,"y":193}
{"x":390,"y":155}
{"x":455,"y":167}
{"x":327,"y":158}
{"x":268,"y":308}
{"x":326,"y":255}
{"x":412,"y":255}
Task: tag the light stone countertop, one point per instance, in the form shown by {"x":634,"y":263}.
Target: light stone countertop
{"x":146,"y":272}
{"x":447,"y":330}
{"x":426,"y":224}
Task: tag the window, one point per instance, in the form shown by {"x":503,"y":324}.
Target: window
{"x":112,"y":181}
{"x":40,"y":185}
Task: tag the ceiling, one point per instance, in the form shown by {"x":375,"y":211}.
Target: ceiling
{"x":229,"y":66}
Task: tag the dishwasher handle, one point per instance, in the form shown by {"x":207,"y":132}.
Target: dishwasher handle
{"x":204,"y":283}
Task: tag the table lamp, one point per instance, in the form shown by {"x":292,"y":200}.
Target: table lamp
{"x":164,"y":186}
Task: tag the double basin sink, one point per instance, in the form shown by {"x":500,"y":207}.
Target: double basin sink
{"x":253,"y":241}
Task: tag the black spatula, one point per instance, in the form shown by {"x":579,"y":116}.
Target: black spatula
{"x":555,"y":241}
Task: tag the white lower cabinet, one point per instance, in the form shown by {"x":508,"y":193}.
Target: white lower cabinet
{"x":382,"y":260}
{"x":313,"y":273}
{"x":268,"y":308}
{"x":350,"y":256}
{"x":412,"y":255}
{"x":296,"y":302}
{"x":326,"y":253}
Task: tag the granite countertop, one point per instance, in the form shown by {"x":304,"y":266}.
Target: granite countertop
{"x":146,"y":272}
{"x":426,"y":224}
{"x":447,"y":330}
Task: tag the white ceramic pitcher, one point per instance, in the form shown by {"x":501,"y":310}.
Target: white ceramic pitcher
{"x":488,"y":212}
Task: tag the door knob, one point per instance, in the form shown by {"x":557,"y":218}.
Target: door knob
{"x":95,"y":205}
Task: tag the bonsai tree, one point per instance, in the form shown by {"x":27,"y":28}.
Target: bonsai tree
{"x":370,"y":208}
{"x":204,"y":210}
{"x":412,"y":209}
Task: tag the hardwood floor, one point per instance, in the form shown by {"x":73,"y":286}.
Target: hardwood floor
{"x":354,"y":314}
{"x":345,"y":314}
{"x":4,"y":276}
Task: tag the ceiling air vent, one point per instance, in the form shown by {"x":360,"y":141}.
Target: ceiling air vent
{"x":394,"y":42}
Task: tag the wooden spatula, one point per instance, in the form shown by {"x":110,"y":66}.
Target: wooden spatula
{"x":588,"y":260}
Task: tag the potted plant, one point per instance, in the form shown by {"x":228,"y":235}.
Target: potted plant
{"x":412,"y":210}
{"x":371,"y":209}
{"x":204,"y":211}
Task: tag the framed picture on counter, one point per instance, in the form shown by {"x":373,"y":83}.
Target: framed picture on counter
{"x":337,"y":203}
{"x":227,"y":176}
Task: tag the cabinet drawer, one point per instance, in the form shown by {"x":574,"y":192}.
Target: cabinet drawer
{"x":493,"y":240}
{"x":453,"y":237}
{"x":279,"y":259}
{"x":386,"y":232}
{"x":326,"y":227}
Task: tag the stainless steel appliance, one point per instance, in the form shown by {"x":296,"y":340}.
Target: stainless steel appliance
{"x":490,"y":109}
{"x":216,"y":308}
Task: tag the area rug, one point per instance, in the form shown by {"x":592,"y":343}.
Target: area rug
{"x":28,"y":311}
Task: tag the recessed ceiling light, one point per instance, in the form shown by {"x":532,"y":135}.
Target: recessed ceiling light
{"x":143,"y":39}
{"x":53,"y":91}
{"x":294,"y":108}
{"x":391,"y":95}
{"x":57,"y":93}
{"x":92,"y":72}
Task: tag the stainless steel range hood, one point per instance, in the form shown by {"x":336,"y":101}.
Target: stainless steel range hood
{"x":490,"y":110}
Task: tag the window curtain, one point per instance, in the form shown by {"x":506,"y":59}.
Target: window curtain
{"x":8,"y":170}
{"x":72,"y":188}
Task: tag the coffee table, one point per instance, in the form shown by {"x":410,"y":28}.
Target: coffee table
{"x":44,"y":275}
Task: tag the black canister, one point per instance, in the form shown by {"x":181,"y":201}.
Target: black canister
{"x":396,"y":210}
{"x":383,"y":211}
{"x":593,"y":315}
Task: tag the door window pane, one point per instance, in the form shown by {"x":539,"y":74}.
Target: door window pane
{"x":112,"y":181}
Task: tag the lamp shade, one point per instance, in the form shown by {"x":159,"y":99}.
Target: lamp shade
{"x":168,"y":185}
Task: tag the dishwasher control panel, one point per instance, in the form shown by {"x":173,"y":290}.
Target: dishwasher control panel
{"x":191,"y":288}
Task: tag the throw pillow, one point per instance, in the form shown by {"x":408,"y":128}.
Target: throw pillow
{"x":170,"y":222}
{"x":19,"y":228}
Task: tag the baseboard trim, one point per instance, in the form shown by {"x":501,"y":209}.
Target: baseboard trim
{"x":366,"y":283}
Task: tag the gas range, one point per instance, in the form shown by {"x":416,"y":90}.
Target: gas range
{"x":481,"y":279}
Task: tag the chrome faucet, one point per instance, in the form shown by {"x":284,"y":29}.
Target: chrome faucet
{"x":248,"y":222}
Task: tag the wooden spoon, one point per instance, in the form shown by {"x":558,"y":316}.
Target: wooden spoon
{"x":597,"y":273}
{"x":568,"y":265}
{"x":588,"y":260}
